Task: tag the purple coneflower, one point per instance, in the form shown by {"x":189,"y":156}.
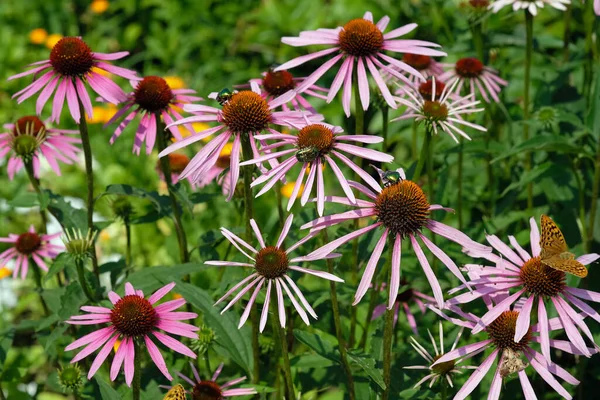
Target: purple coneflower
{"x":530,"y":5}
{"x":479,"y":78}
{"x":71,"y":65}
{"x":597,"y":7}
{"x":275,"y":83}
{"x":508,"y":354}
{"x":440,"y":113}
{"x":133,"y":319}
{"x":244,"y":113}
{"x":271,"y":265}
{"x":153,"y":98}
{"x":440,"y":371}
{"x":528,"y":277}
{"x":359,"y":42}
{"x":210,"y":389}
{"x":402,"y":210}
{"x":29,"y":138}
{"x":314,"y":146}
{"x":403,"y":301}
{"x":29,"y":247}
{"x":426,"y":66}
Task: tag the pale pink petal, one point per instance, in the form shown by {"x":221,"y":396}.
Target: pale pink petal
{"x":158,"y":359}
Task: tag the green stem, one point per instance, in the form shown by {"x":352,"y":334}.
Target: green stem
{"x":128,"y":244}
{"x":591,"y":51}
{"x":38,"y":281}
{"x":444,"y":390}
{"x":280,"y":211}
{"x":137,"y":371}
{"x":338,"y":325}
{"x":388,"y":332}
{"x":459,"y":211}
{"x":359,"y":128}
{"x":36,"y":185}
{"x":385,"y":112}
{"x":594,"y":203}
{"x":82,"y":281}
{"x":423,"y":155}
{"x":2,"y":397}
{"x":476,"y":32}
{"x":279,"y":332}
{"x":184,"y":255}
{"x":528,"y":55}
{"x":207,"y":363}
{"x":372,"y":303}
{"x":567,"y":34}
{"x":414,"y":144}
{"x":89,"y":173}
{"x":249,"y":211}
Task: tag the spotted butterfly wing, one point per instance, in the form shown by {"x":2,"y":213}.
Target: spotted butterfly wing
{"x":177,"y":392}
{"x":555,"y":252}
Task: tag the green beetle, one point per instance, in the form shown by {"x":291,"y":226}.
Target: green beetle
{"x":224,"y":96}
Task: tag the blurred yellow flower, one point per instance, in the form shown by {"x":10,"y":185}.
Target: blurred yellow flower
{"x":323,"y":166}
{"x":288,"y":188}
{"x":104,"y":236}
{"x":177,"y":296}
{"x":101,"y":72}
{"x":53,"y":39}
{"x":175,"y":82}
{"x":109,"y":112}
{"x":4,"y":272}
{"x":99,"y":6}
{"x":98,"y":117}
{"x":226,"y":150}
{"x":38,"y":36}
{"x":116,"y":345}
{"x":198,"y":127}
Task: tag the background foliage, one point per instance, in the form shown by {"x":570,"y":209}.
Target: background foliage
{"x":212,"y":44}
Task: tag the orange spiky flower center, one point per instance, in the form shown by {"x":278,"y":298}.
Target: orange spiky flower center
{"x":71,"y":56}
{"x":360,"y":38}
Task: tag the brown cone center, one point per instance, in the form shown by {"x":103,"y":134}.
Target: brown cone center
{"x":278,"y":83}
{"x":134,"y":316}
{"x":402,"y":208}
{"x":153,"y":94}
{"x":207,"y":390}
{"x":28,"y":243}
{"x":71,"y":56}
{"x":360,"y":38}
{"x":271,"y":262}
{"x":502,"y":332}
{"x":542,"y":280}
{"x":246,"y":112}
{"x":469,"y":67}
{"x":417,"y":61}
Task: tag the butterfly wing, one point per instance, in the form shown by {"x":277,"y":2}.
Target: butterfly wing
{"x":569,"y":266}
{"x":177,"y":392}
{"x":552,"y":240}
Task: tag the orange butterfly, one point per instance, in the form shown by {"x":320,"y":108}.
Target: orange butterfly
{"x":177,"y":392}
{"x":555,"y":253}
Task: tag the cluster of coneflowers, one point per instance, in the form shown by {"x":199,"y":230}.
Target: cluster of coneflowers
{"x":268,"y":131}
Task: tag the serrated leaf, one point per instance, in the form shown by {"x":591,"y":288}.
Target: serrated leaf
{"x":316,"y":342}
{"x":162,"y":204}
{"x":71,"y":300}
{"x":557,"y":143}
{"x":368,"y":365}
{"x":67,"y":215}
{"x":6,"y":340}
{"x":149,"y":279}
{"x":58,"y":265}
{"x":106,"y":391}
{"x":236,"y":342}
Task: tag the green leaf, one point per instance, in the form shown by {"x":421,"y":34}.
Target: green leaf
{"x":236,"y":342}
{"x":593,"y":117}
{"x":149,"y":279}
{"x":55,"y":335}
{"x":58,"y":265}
{"x":24,"y":199}
{"x":161,"y":204}
{"x":106,"y":391}
{"x":316,"y":342}
{"x":367,"y":364}
{"x":560,"y":144}
{"x":71,"y":300}
{"x":68,"y":216}
{"x":6,"y":340}
{"x":527,"y":177}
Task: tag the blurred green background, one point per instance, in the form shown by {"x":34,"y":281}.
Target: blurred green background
{"x":208,"y":45}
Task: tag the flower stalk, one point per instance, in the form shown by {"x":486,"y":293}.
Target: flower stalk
{"x":89,"y":173}
{"x":388,"y":333}
{"x":338,"y":324}
{"x":526,"y":91}
{"x":249,"y":211}
{"x":280,"y":336}
{"x":166,"y":170}
{"x":137,"y":371}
